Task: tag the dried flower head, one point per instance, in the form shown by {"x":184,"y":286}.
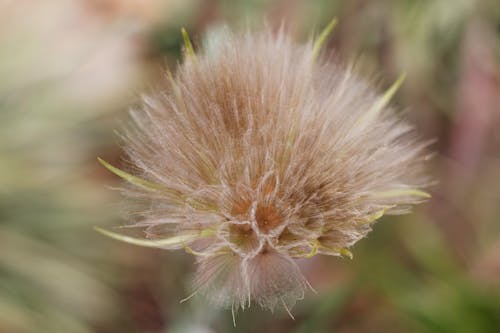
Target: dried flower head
{"x":259,"y":153}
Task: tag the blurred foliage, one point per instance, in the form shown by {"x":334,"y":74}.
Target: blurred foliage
{"x":69,"y":71}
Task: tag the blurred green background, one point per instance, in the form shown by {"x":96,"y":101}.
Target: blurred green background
{"x":69,"y":70}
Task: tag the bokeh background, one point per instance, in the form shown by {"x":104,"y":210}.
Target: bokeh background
{"x":69,"y":70}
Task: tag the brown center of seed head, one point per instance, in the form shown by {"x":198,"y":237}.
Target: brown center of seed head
{"x":240,"y":209}
{"x":267,"y":217}
{"x":243,"y":237}
{"x":242,"y":230}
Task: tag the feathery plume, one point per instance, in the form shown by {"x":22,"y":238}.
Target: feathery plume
{"x":259,"y":153}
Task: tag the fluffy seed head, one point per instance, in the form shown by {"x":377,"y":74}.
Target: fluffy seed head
{"x":256,"y":154}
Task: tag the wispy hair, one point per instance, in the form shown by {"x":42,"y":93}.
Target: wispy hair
{"x":258,"y":152}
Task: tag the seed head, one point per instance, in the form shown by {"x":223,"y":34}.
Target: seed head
{"x":258,"y":153}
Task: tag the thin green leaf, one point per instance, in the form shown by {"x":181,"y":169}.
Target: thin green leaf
{"x":371,"y":114}
{"x":402,"y":193}
{"x":172,"y":241}
{"x":342,"y":251}
{"x":187,"y":44}
{"x":314,"y":250}
{"x":139,"y":182}
{"x":375,"y":216}
{"x":320,"y":40}
{"x":346,"y":253}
